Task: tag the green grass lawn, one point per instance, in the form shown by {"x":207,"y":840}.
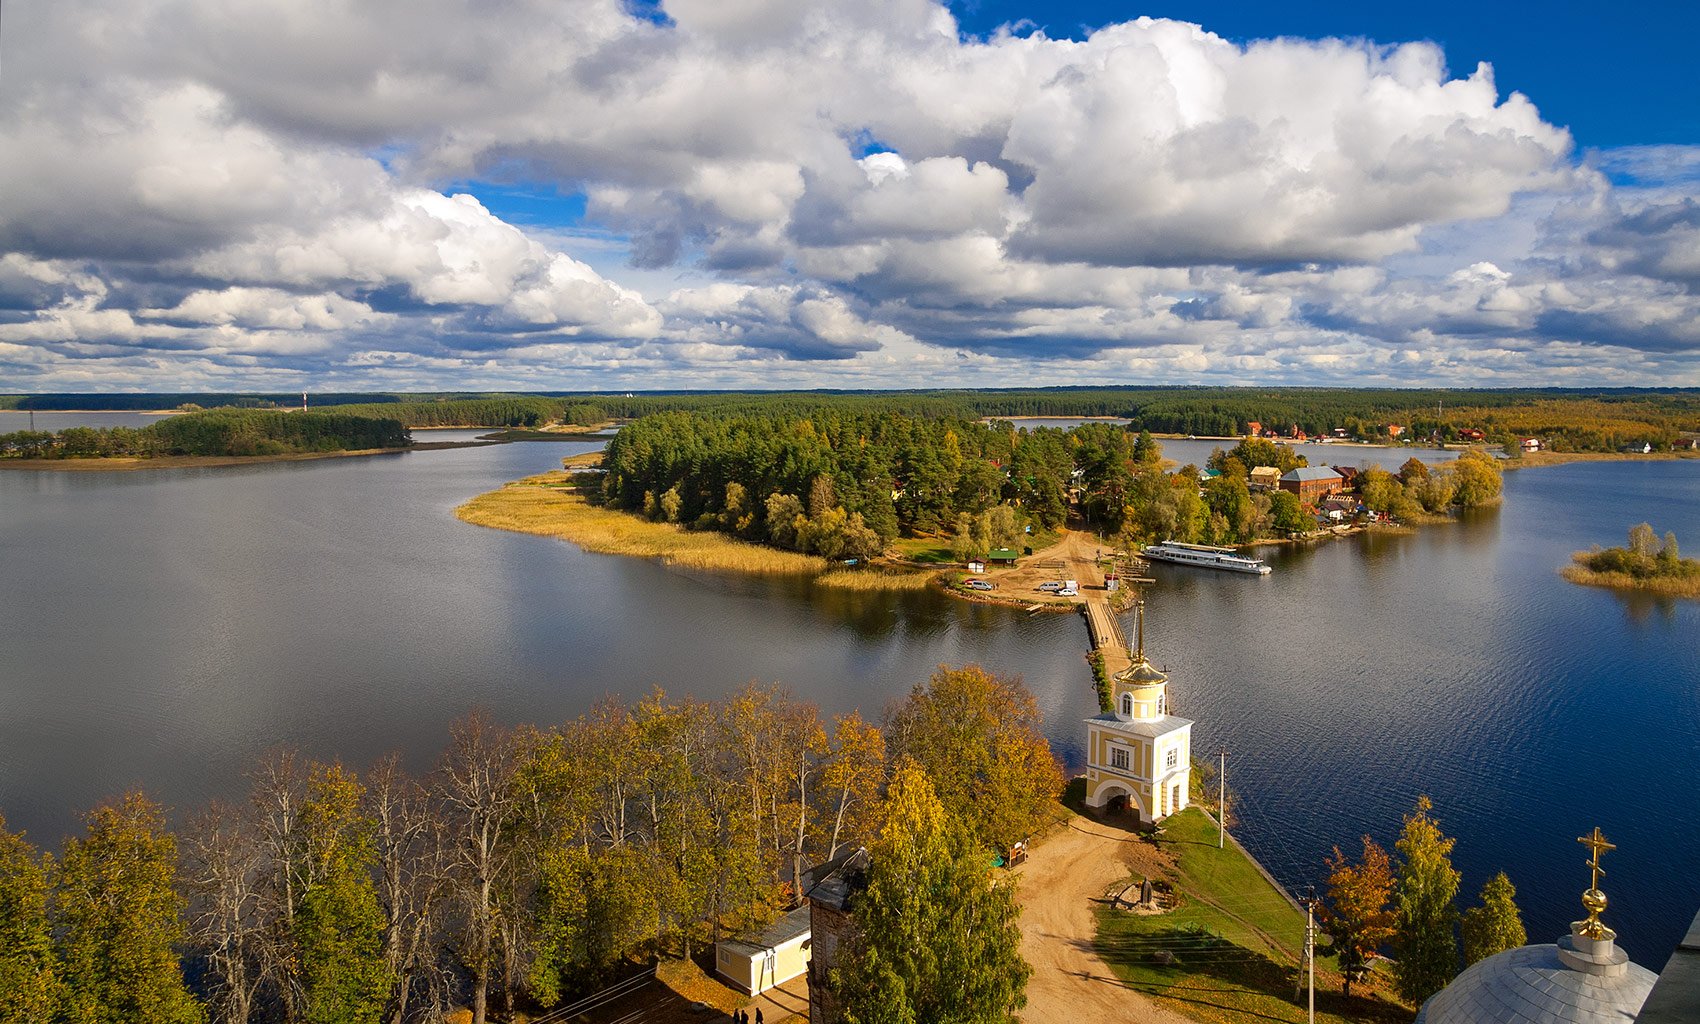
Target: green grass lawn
{"x":926,"y":550}
{"x":1238,"y":944}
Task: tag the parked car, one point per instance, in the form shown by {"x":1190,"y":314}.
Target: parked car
{"x":978,"y":585}
{"x":1068,"y":592}
{"x":1051,"y":586}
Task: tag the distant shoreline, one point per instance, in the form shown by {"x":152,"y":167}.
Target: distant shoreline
{"x":105,"y":412}
{"x":125,"y":464}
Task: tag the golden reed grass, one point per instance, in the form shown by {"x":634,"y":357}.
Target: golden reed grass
{"x":547,"y":506}
{"x":1663,"y":586}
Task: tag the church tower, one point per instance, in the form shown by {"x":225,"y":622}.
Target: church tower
{"x":1138,"y":756}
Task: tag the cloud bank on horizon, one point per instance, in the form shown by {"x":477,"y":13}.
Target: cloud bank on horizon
{"x":849,"y":193}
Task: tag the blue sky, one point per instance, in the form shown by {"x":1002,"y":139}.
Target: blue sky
{"x":1615,"y":74}
{"x":436,"y":194}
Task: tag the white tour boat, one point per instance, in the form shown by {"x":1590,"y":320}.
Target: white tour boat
{"x":1205,"y":557}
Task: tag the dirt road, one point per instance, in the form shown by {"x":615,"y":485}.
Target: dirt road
{"x":1060,"y":884}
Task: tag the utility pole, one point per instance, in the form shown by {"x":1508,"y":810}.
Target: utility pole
{"x":1222,"y":800}
{"x":1310,"y":947}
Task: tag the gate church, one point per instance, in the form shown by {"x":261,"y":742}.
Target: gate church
{"x":1138,"y":756}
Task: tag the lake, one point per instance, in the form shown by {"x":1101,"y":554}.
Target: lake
{"x":165,"y":627}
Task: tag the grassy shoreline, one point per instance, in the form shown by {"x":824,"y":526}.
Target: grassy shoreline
{"x":546,"y":505}
{"x":1534,"y":460}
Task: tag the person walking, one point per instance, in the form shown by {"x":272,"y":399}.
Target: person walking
{"x":758,"y":1015}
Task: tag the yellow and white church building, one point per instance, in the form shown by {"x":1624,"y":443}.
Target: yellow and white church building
{"x":1138,"y":756}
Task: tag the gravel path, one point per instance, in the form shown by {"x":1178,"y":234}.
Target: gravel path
{"x":1061,"y":882}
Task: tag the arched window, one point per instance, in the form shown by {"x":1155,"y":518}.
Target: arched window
{"x":1162,"y":704}
{"x":1127,"y":704}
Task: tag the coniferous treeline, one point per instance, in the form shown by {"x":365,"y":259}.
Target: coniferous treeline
{"x":214,"y":432}
{"x":840,"y":479}
{"x":503,"y":411}
{"x":528,"y":866}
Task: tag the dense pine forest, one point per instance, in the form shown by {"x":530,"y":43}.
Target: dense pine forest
{"x":213,"y":432}
{"x":529,"y":867}
{"x":846,"y":479}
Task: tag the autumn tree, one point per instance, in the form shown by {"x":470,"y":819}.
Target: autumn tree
{"x":1355,"y":914}
{"x":339,"y":927}
{"x":29,"y":984}
{"x":977,"y":736}
{"x":850,"y":782}
{"x":1425,"y":941}
{"x":936,"y":937}
{"x":118,"y":919}
{"x":1496,"y":925}
{"x":1476,"y":479}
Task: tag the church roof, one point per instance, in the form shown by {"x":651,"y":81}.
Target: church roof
{"x":1584,"y":978}
{"x":1531,"y":985}
{"x":1149,"y":728}
{"x":1141,"y":673}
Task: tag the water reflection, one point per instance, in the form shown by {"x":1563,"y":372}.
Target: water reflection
{"x":164,"y":627}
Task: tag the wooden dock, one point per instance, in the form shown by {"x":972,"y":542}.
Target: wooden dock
{"x":1107,"y":635}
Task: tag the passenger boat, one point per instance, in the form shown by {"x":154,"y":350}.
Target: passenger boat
{"x":1205,"y":557}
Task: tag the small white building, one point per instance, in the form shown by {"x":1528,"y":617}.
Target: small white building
{"x":976,"y":566}
{"x":774,"y":957}
{"x":1138,"y":756}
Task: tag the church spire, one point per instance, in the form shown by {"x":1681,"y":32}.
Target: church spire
{"x":1139,"y":629}
{"x":1593,"y":900}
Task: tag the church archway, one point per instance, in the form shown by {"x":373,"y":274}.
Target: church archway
{"x":1118,"y":801}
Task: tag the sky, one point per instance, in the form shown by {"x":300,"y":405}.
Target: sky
{"x":626,"y":194}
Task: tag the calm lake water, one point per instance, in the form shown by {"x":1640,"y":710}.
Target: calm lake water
{"x":165,"y":627}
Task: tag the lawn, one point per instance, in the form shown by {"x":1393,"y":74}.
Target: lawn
{"x":926,"y":550}
{"x":1236,"y":943}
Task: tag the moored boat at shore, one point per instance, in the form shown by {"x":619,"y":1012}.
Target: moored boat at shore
{"x":1205,"y":557}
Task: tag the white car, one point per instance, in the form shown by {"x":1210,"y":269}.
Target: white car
{"x":1068,"y":592}
{"x":978,"y":585}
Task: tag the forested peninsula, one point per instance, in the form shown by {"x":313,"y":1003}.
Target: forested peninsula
{"x":904,"y":492}
{"x":214,"y":433}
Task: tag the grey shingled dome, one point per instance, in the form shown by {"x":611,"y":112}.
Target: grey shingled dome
{"x":1543,"y":984}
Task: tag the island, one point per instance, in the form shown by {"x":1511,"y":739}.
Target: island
{"x":1645,"y":564}
{"x":213,"y":436}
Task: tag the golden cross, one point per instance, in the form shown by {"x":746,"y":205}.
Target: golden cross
{"x":1597,"y":843}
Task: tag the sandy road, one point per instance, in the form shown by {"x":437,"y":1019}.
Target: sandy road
{"x":1062,"y":879}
